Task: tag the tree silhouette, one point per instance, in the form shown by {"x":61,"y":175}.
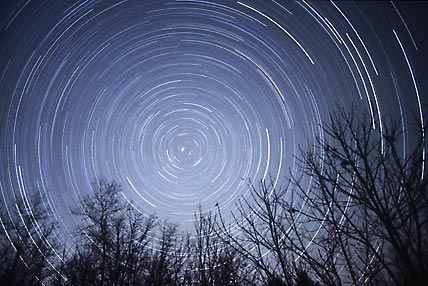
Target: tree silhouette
{"x":361,"y":221}
{"x":112,"y":249}
{"x":215,"y":262}
{"x":261,"y":225}
{"x":165,"y":265}
{"x":372,"y":202}
{"x":27,"y":244}
{"x":356,"y":215}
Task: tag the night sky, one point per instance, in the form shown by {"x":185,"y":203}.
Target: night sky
{"x":181,"y":102}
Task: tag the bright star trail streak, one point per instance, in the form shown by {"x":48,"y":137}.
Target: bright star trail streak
{"x":181,"y":102}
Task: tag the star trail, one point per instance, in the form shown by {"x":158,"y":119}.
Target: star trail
{"x":181,"y":102}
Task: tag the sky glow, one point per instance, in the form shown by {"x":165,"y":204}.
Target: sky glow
{"x":181,"y":102}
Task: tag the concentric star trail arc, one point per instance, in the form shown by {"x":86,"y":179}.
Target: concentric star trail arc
{"x":183,"y":103}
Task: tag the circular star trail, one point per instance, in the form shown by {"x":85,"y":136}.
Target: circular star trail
{"x":181,"y":102}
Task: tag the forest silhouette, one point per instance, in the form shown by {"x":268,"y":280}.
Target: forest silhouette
{"x":364,"y":221}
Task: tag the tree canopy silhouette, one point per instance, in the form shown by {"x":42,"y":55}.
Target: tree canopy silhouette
{"x":356,"y":215}
{"x":362,"y":221}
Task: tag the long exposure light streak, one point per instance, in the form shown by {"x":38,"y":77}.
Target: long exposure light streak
{"x":183,"y":102}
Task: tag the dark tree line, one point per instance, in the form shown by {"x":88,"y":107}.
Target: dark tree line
{"x":27,"y":244}
{"x":357,"y":215}
{"x":363,"y":221}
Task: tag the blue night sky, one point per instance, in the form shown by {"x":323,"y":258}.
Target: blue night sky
{"x":181,"y":102}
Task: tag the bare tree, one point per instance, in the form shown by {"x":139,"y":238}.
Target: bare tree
{"x":165,"y":265}
{"x":214,"y":261}
{"x":258,"y":234}
{"x":112,"y":247}
{"x":373,"y":203}
{"x":27,"y":244}
{"x":361,"y":219}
